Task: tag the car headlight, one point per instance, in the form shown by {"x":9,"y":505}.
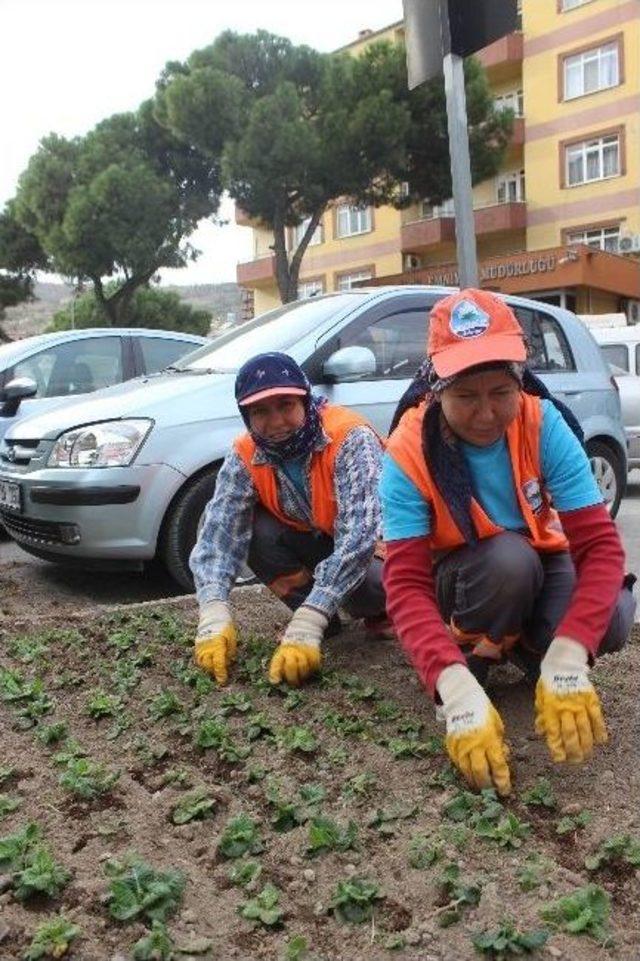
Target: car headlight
{"x":113,"y":443}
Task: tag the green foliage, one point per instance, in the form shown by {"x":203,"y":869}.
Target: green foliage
{"x":359,"y":786}
{"x":540,"y":795}
{"x":327,"y":835}
{"x":506,"y":940}
{"x":20,"y":256}
{"x":155,"y":946}
{"x":385,"y":819}
{"x":573,"y":822}
{"x":39,"y":874}
{"x":52,"y":733}
{"x":298,"y":739}
{"x":213,"y":732}
{"x":586,"y":911}
{"x":7,"y":805}
{"x":245,"y":873}
{"x":26,"y":696}
{"x":424,"y":852}
{"x":296,"y":949}
{"x":533,"y":872}
{"x":343,"y":725}
{"x":619,"y":849}
{"x":100,"y":704}
{"x":164,"y":704}
{"x":150,"y":307}
{"x":288,"y":814}
{"x":235,"y":701}
{"x":14,"y":848}
{"x":508,"y":832}
{"x":29,"y":648}
{"x":485,"y":815}
{"x":195,"y":806}
{"x":456,"y":893}
{"x":52,"y":939}
{"x":6,"y":773}
{"x":137,"y":890}
{"x":353,"y":900}
{"x":405,"y":747}
{"x":240,"y":837}
{"x":264,"y":908}
{"x":88,"y":779}
{"x":258,"y":726}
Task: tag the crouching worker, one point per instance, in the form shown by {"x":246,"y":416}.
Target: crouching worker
{"x":498,"y":544}
{"x":296,"y":497}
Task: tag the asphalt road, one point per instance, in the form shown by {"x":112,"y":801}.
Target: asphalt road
{"x":125,"y":588}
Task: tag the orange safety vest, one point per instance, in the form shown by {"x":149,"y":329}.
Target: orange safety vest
{"x":337,"y":422}
{"x":523,"y":441}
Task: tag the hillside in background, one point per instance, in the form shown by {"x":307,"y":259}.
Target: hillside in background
{"x":33,"y":318}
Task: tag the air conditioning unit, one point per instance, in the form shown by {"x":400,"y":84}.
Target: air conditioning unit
{"x":411,"y":262}
{"x":633,"y":312}
{"x":629,"y":243}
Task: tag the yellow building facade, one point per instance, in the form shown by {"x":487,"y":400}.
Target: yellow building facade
{"x":561,"y":220}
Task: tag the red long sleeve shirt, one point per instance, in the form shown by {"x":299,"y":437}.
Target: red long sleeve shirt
{"x":409,"y":582}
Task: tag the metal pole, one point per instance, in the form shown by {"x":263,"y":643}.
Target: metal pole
{"x":460,"y":170}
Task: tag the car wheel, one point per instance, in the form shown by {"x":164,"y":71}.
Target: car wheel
{"x":608,"y":472}
{"x":182,"y":526}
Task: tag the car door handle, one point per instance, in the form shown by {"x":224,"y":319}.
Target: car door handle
{"x":571,"y":393}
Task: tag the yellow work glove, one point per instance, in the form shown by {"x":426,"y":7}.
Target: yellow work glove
{"x":568,"y":711}
{"x":475,"y":732}
{"x":298,"y":655}
{"x":216,"y":640}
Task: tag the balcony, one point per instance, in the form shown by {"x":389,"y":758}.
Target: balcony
{"x":420,"y":235}
{"x":517,"y":134}
{"x":503,"y":58}
{"x":253,"y":273}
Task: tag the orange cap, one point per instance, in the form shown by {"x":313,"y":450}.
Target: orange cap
{"x":472,"y":327}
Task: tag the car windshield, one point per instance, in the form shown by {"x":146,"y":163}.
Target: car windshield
{"x":228,"y":352}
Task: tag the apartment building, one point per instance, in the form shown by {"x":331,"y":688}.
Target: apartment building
{"x":561,"y":220}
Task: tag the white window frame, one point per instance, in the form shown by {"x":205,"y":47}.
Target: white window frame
{"x":310,"y":288}
{"x":352,"y":220}
{"x":581,"y":64}
{"x":297,"y":233}
{"x":429,"y":211}
{"x":573,"y":4}
{"x":596,"y":237}
{"x":511,"y":100}
{"x":588,"y":150}
{"x":511,"y":187}
{"x":346,"y":281}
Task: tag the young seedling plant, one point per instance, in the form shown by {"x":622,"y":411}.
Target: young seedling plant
{"x":353,"y":900}
{"x":585,"y":911}
{"x":33,"y":869}
{"x":327,"y":835}
{"x":240,"y":837}
{"x":505,"y":941}
{"x":616,"y":850}
{"x":52,"y":939}
{"x":456,"y":893}
{"x":137,"y":890}
{"x":87,"y":779}
{"x":264,"y":908}
{"x":195,"y":806}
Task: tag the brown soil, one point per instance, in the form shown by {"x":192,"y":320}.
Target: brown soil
{"x":367,"y":697}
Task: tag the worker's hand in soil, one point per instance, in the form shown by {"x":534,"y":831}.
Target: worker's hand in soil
{"x":298,"y":656}
{"x":568,"y":711}
{"x":475,"y":732}
{"x":216,"y":641}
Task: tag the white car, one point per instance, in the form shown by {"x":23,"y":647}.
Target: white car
{"x":621,"y":348}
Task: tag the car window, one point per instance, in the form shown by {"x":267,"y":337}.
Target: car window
{"x":616,"y":354}
{"x":397,"y":341}
{"x":76,"y":367}
{"x":637,"y":358}
{"x":547,"y":346}
{"x":160,"y":352}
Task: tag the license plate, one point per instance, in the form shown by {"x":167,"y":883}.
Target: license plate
{"x":10,"y":496}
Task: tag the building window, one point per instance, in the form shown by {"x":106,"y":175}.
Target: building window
{"x":352,"y":220}
{"x":571,"y":4}
{"x":429,"y":211}
{"x":603,"y":238}
{"x":511,"y":187}
{"x":297,"y":233}
{"x":590,"y":160}
{"x":310,"y":288}
{"x":513,"y":100}
{"x":347,"y":281}
{"x":591,"y":70}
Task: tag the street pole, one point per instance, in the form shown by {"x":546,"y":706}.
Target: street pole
{"x":460,"y":170}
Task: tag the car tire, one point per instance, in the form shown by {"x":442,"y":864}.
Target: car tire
{"x":608,"y":471}
{"x":182,"y":525}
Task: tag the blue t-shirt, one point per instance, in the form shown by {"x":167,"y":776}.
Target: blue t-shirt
{"x":566,"y":476}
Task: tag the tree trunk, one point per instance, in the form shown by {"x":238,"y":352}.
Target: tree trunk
{"x":116,"y":307}
{"x":288,"y":271}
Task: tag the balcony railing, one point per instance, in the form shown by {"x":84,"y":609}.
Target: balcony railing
{"x":418,"y":235}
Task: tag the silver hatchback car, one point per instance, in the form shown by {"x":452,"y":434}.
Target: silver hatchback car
{"x":123,"y":477}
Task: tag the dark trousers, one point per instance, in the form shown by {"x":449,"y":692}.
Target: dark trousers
{"x":284,"y":559}
{"x":504,"y":589}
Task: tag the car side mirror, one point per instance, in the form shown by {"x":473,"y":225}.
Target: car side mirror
{"x":349,"y":364}
{"x":16,"y":391}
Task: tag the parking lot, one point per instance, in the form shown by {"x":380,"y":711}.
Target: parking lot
{"x":61,"y":585}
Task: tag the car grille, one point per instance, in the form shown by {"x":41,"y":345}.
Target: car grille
{"x":35,"y":532}
{"x":17,"y":453}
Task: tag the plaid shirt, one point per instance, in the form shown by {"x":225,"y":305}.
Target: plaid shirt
{"x":223,"y":544}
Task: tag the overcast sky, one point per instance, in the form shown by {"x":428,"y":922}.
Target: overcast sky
{"x":67,"y":64}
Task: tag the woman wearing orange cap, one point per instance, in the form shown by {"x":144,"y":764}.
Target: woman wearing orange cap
{"x":498,"y":543}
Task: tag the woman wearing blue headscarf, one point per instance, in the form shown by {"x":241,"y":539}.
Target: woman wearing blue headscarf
{"x":297,"y":498}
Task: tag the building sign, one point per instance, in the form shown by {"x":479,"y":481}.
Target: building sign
{"x":524,"y":267}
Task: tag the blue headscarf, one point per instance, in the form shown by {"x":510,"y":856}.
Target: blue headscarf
{"x":268,"y":372}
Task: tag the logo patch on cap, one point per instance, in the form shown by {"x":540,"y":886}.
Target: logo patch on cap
{"x":468,"y":320}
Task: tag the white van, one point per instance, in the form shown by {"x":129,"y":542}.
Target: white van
{"x":621,"y":348}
